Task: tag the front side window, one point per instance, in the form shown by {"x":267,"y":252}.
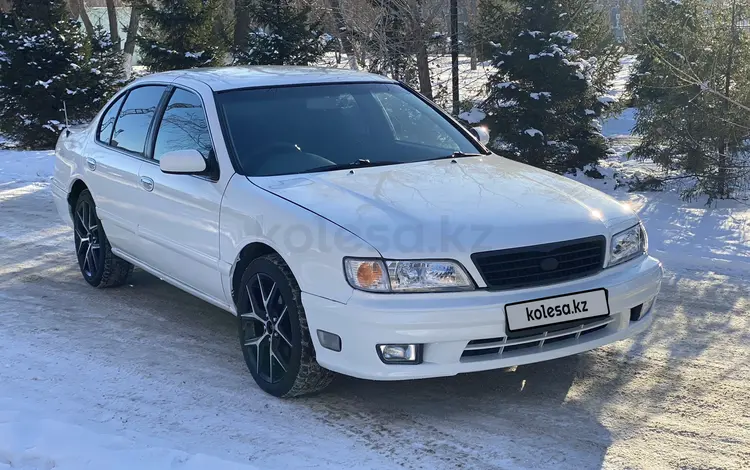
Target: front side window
{"x":183,"y":126}
{"x":287,"y":130}
{"x":134,"y":120}
{"x":104,"y":132}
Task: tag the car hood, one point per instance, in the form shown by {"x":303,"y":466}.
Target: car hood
{"x":440,"y":208}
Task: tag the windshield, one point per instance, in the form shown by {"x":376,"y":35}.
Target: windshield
{"x":287,"y":130}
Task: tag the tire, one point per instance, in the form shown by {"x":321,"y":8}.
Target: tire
{"x":287,"y":365}
{"x":99,"y":266}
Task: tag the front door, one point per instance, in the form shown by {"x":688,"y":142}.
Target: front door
{"x":179,"y":221}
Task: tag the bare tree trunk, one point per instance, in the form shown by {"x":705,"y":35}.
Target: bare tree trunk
{"x":242,"y":23}
{"x":114,"y":29}
{"x":723,"y":175}
{"x":344,"y":34}
{"x":423,"y":70}
{"x":77,"y":9}
{"x":129,"y":49}
{"x":473,"y":13}
{"x":340,"y":52}
{"x":5,"y":5}
{"x":454,"y":55}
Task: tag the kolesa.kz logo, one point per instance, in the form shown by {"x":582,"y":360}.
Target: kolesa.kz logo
{"x":557,"y":310}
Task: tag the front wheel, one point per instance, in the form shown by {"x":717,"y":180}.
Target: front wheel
{"x":273,"y":331}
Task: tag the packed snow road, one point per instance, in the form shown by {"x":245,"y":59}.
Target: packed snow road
{"x":148,"y":377}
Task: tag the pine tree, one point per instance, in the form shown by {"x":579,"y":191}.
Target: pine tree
{"x":689,"y":87}
{"x":44,"y":62}
{"x":181,"y":34}
{"x":542,"y":101}
{"x":494,"y":23}
{"x":106,"y":69}
{"x":286,"y":35}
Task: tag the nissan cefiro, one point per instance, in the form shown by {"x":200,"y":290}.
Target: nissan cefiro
{"x":351,"y":226}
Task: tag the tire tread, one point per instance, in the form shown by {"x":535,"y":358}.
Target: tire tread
{"x":116,"y":270}
{"x":312,"y":378}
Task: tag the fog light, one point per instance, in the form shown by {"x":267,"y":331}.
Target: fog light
{"x":329,"y":340}
{"x":400,"y":353}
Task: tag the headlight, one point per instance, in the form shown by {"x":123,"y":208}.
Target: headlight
{"x":628,"y":244}
{"x":406,"y":276}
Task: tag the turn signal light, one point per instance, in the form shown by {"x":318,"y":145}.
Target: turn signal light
{"x":369,"y":274}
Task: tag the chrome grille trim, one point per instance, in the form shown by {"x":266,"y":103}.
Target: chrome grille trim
{"x":482,"y":349}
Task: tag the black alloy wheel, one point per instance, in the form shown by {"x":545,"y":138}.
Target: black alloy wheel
{"x":267,"y":328}
{"x":273,"y":331}
{"x":99,"y":266}
{"x":87,"y":239}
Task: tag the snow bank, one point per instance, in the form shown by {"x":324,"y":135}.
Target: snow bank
{"x":532,"y":132}
{"x":26,"y":167}
{"x":473,"y":116}
{"x":627,"y":63}
{"x":684,"y":235}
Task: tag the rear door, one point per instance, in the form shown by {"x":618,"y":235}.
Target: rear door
{"x":114,"y":159}
{"x":179,"y":221}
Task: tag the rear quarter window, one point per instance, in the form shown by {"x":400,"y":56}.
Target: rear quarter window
{"x":107,"y":123}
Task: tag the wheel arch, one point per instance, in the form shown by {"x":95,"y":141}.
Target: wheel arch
{"x":247,"y":255}
{"x":76,"y":189}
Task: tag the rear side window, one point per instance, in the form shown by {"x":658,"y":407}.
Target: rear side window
{"x":104,"y":132}
{"x":135,"y":118}
{"x":183,"y":126}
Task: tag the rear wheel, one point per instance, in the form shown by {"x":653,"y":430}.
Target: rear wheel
{"x":99,"y":266}
{"x":273,"y":331}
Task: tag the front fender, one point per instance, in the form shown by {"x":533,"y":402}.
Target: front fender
{"x":312,"y":246}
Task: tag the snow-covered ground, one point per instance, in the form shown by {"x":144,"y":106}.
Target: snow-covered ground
{"x":682,"y":234}
{"x":620,"y":126}
{"x":473,"y":82}
{"x":148,"y":377}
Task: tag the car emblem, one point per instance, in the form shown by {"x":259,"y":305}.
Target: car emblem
{"x":549,"y":264}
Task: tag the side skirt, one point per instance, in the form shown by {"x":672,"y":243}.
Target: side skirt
{"x":184,"y":287}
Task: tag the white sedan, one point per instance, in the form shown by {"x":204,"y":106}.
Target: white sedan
{"x":351,"y":226}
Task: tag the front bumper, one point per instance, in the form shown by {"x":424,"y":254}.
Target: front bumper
{"x":447,"y":322}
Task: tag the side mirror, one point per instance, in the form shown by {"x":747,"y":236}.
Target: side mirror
{"x":481,"y":133}
{"x":183,"y":162}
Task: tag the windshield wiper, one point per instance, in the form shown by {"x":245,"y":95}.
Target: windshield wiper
{"x":460,"y":154}
{"x":362,"y":162}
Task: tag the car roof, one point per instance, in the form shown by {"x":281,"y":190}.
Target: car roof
{"x":231,"y":78}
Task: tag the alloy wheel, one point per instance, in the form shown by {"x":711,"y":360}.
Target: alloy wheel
{"x":87,"y":239}
{"x":267,"y":329}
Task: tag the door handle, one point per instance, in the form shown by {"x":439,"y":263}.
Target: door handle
{"x":147,"y":183}
{"x":91,"y":164}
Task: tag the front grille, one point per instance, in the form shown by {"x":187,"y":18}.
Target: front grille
{"x":491,"y":348}
{"x":541,"y":264}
